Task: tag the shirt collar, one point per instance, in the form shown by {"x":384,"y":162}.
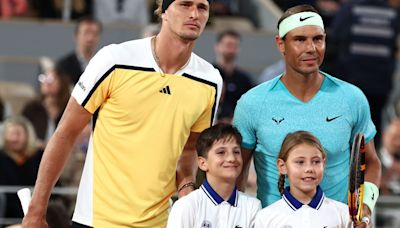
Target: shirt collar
{"x":277,"y":79}
{"x":217,"y":199}
{"x":315,"y":203}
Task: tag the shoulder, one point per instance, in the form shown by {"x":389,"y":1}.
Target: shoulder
{"x":187,"y":201}
{"x":347,"y":89}
{"x":272,"y":210}
{"x":249,"y":201}
{"x":202,"y":69}
{"x":130,"y":53}
{"x":336,"y":204}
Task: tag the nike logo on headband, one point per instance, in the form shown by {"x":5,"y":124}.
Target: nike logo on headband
{"x":303,"y":19}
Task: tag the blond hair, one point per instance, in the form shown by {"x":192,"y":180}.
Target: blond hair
{"x":32,"y":142}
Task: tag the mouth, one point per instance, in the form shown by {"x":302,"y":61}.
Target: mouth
{"x":308,"y":179}
{"x":192,"y":25}
{"x":309,"y":60}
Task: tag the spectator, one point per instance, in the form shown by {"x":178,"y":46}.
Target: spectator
{"x":236,"y":81}
{"x":224,"y":7}
{"x":117,"y":11}
{"x":11,"y":8}
{"x":87,"y":37}
{"x":363,"y":39}
{"x":19,"y":160}
{"x":390,"y":156}
{"x":45,"y":111}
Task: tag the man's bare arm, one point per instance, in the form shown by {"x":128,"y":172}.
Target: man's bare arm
{"x":372,"y":173}
{"x":187,"y":166}
{"x":242,"y":179}
{"x":54,"y":158}
{"x":373,"y":164}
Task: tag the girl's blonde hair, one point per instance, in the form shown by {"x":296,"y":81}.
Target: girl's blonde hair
{"x":291,"y":141}
{"x":31,"y":144}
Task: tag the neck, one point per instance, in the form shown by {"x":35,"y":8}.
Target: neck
{"x":85,"y":53}
{"x":222,"y":187}
{"x":304,"y":197}
{"x":171,"y":53}
{"x":226,"y":66}
{"x":304,"y":87}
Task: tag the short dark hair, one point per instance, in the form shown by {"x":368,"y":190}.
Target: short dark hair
{"x":229,"y":32}
{"x":87,"y":19}
{"x":215,"y":133}
{"x":296,"y":9}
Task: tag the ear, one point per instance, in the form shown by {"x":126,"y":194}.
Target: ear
{"x":202,"y":162}
{"x":281,"y":166}
{"x":280,"y":44}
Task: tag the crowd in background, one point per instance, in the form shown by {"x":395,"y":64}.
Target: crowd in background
{"x":362,"y":49}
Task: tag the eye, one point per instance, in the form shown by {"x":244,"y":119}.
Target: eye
{"x":203,"y":7}
{"x":185,"y":4}
{"x":316,"y":162}
{"x":237,"y":151}
{"x":299,"y":162}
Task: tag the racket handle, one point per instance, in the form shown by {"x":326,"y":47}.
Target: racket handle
{"x":24,"y":196}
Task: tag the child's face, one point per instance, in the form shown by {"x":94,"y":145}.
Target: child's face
{"x":304,"y":168}
{"x":224,"y":161}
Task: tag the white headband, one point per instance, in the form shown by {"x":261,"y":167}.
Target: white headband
{"x":298,"y":20}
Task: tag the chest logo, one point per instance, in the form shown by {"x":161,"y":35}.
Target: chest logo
{"x":332,"y":119}
{"x":278,"y":120}
{"x":165,"y":90}
{"x":206,"y":224}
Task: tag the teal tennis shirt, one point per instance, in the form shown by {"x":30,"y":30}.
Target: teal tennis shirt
{"x":268,"y":112}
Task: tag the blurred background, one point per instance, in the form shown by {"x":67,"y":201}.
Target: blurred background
{"x":46,"y":44}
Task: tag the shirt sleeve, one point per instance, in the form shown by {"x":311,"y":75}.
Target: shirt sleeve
{"x":93,"y":86}
{"x":243,"y":121}
{"x":362,"y":117}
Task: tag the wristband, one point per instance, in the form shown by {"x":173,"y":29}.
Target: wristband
{"x":189,"y":184}
{"x":371,"y":194}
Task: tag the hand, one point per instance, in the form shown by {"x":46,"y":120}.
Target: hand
{"x":35,"y":218}
{"x":32,"y":222}
{"x":366,"y":213}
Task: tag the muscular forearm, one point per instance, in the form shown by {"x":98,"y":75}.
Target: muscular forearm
{"x":53,"y":161}
{"x":373,"y":173}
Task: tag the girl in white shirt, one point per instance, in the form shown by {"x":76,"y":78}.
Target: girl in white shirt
{"x":303,"y":204}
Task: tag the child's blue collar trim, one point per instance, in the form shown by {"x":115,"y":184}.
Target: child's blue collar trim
{"x":217,"y":199}
{"x":315,"y":203}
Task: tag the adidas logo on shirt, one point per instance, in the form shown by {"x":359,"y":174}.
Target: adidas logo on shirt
{"x":166,"y":90}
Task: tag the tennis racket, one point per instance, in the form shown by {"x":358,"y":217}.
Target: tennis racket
{"x":356,"y":178}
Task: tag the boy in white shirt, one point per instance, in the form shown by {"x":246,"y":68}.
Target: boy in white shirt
{"x":217,"y":203}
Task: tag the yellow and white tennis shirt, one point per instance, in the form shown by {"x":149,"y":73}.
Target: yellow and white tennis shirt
{"x":141,"y":122}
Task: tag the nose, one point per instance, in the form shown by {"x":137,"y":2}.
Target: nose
{"x":194,"y":13}
{"x":309,"y":168}
{"x":230,"y":157}
{"x":310,"y":46}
